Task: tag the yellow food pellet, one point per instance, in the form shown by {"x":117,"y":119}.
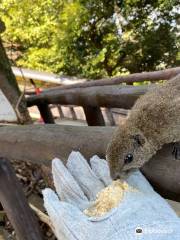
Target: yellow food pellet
{"x":108,"y":198}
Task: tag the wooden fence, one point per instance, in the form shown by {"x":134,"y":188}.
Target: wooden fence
{"x":92,"y":95}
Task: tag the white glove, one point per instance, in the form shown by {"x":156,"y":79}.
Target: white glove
{"x":142,"y":214}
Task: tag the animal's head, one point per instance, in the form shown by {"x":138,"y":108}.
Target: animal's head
{"x":128,"y":150}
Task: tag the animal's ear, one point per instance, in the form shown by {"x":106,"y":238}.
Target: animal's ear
{"x":139,"y":139}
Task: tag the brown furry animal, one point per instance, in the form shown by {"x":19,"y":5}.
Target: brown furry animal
{"x":153,"y":121}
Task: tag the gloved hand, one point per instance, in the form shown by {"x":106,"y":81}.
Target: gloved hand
{"x":142,"y":214}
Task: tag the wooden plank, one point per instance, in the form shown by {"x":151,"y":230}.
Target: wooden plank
{"x":108,"y":96}
{"x":15,"y":204}
{"x":121,"y":111}
{"x":135,"y":77}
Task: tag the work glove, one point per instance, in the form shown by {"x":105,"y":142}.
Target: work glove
{"x":142,"y":214}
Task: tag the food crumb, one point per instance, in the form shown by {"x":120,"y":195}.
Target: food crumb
{"x":108,"y":198}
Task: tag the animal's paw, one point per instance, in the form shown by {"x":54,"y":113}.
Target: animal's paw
{"x":176,"y":150}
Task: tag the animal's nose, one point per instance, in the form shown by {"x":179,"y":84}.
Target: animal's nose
{"x":115,"y":176}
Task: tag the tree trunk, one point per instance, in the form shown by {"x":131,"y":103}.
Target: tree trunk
{"x":40,"y":144}
{"x":9,"y":87}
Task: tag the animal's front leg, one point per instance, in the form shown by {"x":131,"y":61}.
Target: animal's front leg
{"x":176,"y":150}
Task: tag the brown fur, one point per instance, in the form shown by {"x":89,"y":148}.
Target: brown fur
{"x":153,"y":121}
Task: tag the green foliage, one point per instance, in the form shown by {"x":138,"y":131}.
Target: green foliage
{"x":93,"y":38}
{"x":32,"y":25}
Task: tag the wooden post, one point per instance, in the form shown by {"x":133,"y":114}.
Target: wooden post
{"x":15,"y":204}
{"x":110,"y":116}
{"x":61,"y":114}
{"x":73,"y":114}
{"x":94,"y":116}
{"x":45,"y":113}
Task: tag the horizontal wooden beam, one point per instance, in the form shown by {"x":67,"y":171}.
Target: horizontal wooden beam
{"x":108,"y":96}
{"x":41,"y":143}
{"x":135,"y":77}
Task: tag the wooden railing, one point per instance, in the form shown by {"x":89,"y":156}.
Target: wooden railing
{"x":92,"y":95}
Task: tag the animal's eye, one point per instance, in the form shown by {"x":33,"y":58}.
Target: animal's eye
{"x":128,"y":158}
